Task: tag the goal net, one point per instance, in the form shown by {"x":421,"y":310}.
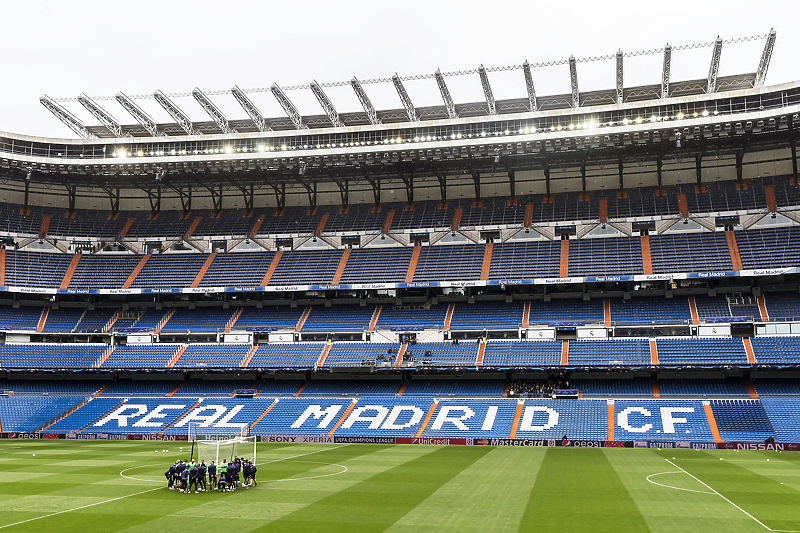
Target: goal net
{"x":217,"y":450}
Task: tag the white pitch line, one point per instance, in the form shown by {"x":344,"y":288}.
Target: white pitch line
{"x":670,"y":486}
{"x":79,"y":508}
{"x":302,"y":455}
{"x":759,"y":522}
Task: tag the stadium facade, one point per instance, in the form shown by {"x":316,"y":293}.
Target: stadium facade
{"x":613,"y":265}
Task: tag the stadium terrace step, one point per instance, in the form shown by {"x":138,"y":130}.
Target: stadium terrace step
{"x":2,"y":267}
{"x":449,"y":317}
{"x":606,"y":312}
{"x":375,"y":316}
{"x":683,"y":205}
{"x":653,"y":352}
{"x":321,"y":224}
{"x":733,"y":249}
{"x":44,"y":226}
{"x":762,"y":308}
{"x":748,"y":349}
{"x":487,"y":260}
{"x":481,"y":350}
{"x":192,"y":227}
{"x":769,"y":194}
{"x":412,"y":264}
{"x":387,"y":223}
{"x":751,"y":390}
{"x":175,"y":360}
{"x":136,"y":271}
{"x":342,"y":419}
{"x":402,"y":389}
{"x":337,"y":276}
{"x":563,"y":269}
{"x":112,"y":321}
{"x":427,"y":419}
{"x":303,"y":386}
{"x":303,"y":319}
{"x":73,"y":264}
{"x":400,"y":353}
{"x":176,"y":389}
{"x":693,"y":310}
{"x":610,"y":422}
{"x":257,"y":420}
{"x":647,"y":260}
{"x":164,"y":320}
{"x":127,"y":227}
{"x":42,"y":319}
{"x":456,"y":218}
{"x":517,"y":416}
{"x":528,"y":222}
{"x":711,"y":422}
{"x":256,"y":225}
{"x":102,"y":360}
{"x":61,"y":416}
{"x":248,"y":357}
{"x":233,"y":319}
{"x":526,"y":314}
{"x":203,"y":269}
{"x":272,"y":266}
{"x":655,"y":388}
{"x":603,"y":208}
{"x":321,"y":360}
{"x":564,"y":353}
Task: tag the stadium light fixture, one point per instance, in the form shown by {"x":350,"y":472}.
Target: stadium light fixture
{"x":70,"y":120}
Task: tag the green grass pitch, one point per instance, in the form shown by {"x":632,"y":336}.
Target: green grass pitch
{"x":80,"y":486}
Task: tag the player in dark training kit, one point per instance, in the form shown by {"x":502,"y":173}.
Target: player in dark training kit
{"x":212,"y":475}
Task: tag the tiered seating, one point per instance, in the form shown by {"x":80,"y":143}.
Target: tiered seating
{"x":374,"y":413}
{"x":782,"y":306}
{"x":650,"y":311}
{"x":712,"y":307}
{"x":444,"y":354}
{"x":289,"y":220}
{"x":645,"y":420}
{"x":412,"y":316}
{"x":571,"y":310}
{"x":205,"y":319}
{"x":690,"y":252}
{"x":493,"y":212}
{"x":449,"y":262}
{"x":306,"y":267}
{"x":103,"y":271}
{"x":628,"y":352}
{"x":423,"y":215}
{"x":252,"y":409}
{"x":85,"y":415}
{"x":454,"y":387}
{"x":300,"y":355}
{"x":525,"y":260}
{"x":171,"y":409}
{"x":29,"y":413}
{"x":167,"y":224}
{"x":150,"y":319}
{"x":488,"y":315}
{"x":769,"y":247}
{"x":776,"y":350}
{"x":23,"y":318}
{"x":284,"y":417}
{"x":245,"y":269}
{"x":705,"y":388}
{"x":93,"y":321}
{"x":351,"y":387}
{"x":352,"y":354}
{"x":50,"y":355}
{"x":274,"y":317}
{"x":279,"y":387}
{"x":472,"y":419}
{"x":341,"y":318}
{"x":506,"y":354}
{"x":35,"y":269}
{"x":784,"y":415}
{"x":142,"y":387}
{"x":59,"y":387}
{"x":386,"y":265}
{"x":777,"y":387}
{"x":605,"y":256}
{"x":212,"y":355}
{"x":741,"y":420}
{"x":701,"y":352}
{"x":141,"y":356}
{"x":361,"y":218}
{"x":169,"y":271}
{"x":226,"y":222}
{"x":614,"y":388}
{"x":62,"y":320}
{"x":581,"y":419}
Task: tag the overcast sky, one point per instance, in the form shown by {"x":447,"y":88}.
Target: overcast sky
{"x":99,"y":47}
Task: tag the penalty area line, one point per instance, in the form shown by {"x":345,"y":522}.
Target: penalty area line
{"x":79,"y":508}
{"x":756,"y":520}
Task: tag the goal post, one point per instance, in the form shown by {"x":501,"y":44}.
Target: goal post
{"x":227,"y":449}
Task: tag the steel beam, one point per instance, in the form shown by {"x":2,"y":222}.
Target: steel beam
{"x":70,"y":120}
{"x":487,"y":90}
{"x":619,"y":78}
{"x":407,"y":103}
{"x":250,"y":108}
{"x":369,"y":109}
{"x":101,"y":114}
{"x":573,"y":79}
{"x":326,"y":104}
{"x":532,"y":104}
{"x":288,"y":106}
{"x":212,"y":110}
{"x":176,"y":113}
{"x":448,"y":100}
{"x":713,"y":70}
{"x":766,"y":56}
{"x":138,"y":113}
{"x":665,"y":71}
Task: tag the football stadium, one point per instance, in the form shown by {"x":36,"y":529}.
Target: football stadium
{"x":575,"y":312}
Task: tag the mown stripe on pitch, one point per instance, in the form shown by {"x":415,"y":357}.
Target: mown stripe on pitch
{"x":577,"y":489}
{"x":489,"y":495}
{"x":379,"y":501}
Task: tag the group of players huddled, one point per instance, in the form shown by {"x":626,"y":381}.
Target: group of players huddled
{"x":225,"y":476}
